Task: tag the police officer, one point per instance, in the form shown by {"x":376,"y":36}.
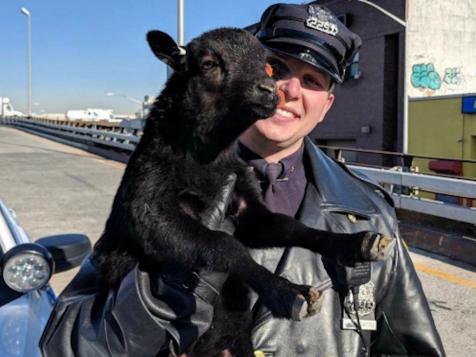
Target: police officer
{"x":376,"y":309}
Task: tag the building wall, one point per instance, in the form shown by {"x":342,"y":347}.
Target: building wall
{"x":440,"y":61}
{"x":441,"y":47}
{"x":375,"y":99}
{"x":438,"y":128}
{"x":441,"y":68}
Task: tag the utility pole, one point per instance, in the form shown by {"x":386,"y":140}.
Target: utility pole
{"x":25,"y":12}
{"x":180,"y":23}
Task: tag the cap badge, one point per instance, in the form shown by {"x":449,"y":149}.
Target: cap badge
{"x":321,"y":20}
{"x":307,"y":57}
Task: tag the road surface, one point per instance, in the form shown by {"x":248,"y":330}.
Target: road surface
{"x":55,"y":188}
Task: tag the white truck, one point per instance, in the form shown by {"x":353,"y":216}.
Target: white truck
{"x":6,"y":108}
{"x":90,"y":114}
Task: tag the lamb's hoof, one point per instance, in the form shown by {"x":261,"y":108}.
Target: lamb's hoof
{"x":376,"y":246}
{"x":315,"y":301}
{"x":303,"y":308}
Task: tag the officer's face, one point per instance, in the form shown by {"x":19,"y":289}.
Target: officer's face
{"x":307,"y":100}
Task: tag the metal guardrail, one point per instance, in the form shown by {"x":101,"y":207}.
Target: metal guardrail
{"x":442,"y":185}
{"x":404,"y":159}
{"x":124,"y":141}
{"x":388,"y":178}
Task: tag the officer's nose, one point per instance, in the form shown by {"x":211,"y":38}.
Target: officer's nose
{"x":291,"y":87}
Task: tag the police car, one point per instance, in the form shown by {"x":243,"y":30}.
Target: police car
{"x":26,"y":298}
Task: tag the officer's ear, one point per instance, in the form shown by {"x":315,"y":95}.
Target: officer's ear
{"x":166,"y":50}
{"x":328,"y":105}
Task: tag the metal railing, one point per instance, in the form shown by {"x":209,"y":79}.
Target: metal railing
{"x":417,"y":181}
{"x":403,"y":160}
{"x":393,"y":180}
{"x":111,"y":136}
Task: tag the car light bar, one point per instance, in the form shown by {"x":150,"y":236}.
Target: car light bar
{"x":27,"y":267}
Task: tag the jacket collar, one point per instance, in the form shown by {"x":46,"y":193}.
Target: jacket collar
{"x":336,"y":187}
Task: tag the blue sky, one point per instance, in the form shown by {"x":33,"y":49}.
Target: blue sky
{"x":81,"y":49}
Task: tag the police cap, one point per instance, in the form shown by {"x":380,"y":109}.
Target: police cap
{"x":310,"y":33}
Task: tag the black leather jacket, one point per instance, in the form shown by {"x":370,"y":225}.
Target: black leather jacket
{"x":134,"y":322}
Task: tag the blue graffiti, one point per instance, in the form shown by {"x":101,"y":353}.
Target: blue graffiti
{"x":425,"y":76}
{"x":452,"y":76}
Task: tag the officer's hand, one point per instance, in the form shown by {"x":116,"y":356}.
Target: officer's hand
{"x":215,"y":217}
{"x":205,"y":284}
{"x":191,"y":294}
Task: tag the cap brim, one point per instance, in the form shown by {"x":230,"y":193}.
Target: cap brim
{"x":294,"y":47}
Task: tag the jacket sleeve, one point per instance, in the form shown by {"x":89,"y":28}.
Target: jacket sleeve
{"x":144,"y":316}
{"x":406,"y":326}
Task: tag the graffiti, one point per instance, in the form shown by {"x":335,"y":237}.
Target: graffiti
{"x":424,"y":76}
{"x":452,"y":76}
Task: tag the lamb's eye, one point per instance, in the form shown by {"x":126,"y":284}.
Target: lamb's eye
{"x":280,"y":69}
{"x":208,"y":64}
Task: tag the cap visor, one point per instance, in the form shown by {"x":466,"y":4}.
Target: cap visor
{"x":294,"y":47}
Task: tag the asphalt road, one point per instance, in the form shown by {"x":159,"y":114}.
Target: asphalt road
{"x":55,"y":188}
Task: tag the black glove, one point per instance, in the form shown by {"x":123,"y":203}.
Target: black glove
{"x":215,"y":217}
{"x":204,"y":284}
{"x":187,"y":297}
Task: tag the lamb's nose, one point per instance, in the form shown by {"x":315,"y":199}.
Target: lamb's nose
{"x":267,"y":87}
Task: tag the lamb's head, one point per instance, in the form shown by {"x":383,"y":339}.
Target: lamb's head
{"x":219,"y":88}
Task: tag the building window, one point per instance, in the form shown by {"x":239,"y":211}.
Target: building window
{"x":344,"y":19}
{"x":353,"y":69}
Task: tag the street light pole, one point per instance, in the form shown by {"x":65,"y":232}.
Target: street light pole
{"x":180,"y":30}
{"x":385,"y":12}
{"x":25,"y":12}
{"x":405,"y":71}
{"x":180,"y":22}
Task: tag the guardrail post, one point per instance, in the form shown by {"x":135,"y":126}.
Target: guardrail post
{"x":338,"y":155}
{"x":407,"y":161}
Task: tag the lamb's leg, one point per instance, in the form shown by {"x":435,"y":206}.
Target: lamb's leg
{"x":164,"y":233}
{"x":259,"y":228}
{"x":186,"y":241}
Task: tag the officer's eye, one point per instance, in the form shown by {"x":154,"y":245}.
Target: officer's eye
{"x":313,"y":82}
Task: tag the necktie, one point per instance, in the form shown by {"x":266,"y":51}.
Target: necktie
{"x":273,"y":193}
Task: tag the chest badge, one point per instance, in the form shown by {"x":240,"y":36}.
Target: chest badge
{"x":366,"y":300}
{"x":365,"y":309}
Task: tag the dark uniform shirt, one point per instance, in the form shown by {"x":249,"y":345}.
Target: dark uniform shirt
{"x":283,"y":184}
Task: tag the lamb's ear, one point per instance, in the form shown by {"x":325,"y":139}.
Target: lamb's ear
{"x":165,"y":48}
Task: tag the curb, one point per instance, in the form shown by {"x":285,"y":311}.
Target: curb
{"x":451,"y":239}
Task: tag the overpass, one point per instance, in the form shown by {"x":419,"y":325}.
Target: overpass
{"x":55,"y":188}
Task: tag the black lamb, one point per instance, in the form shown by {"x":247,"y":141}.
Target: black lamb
{"x":187,"y":152}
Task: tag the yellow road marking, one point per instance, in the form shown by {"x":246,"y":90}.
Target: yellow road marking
{"x":445,"y":276}
{"x":116,"y":164}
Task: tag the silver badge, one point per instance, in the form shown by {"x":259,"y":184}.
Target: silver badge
{"x":366,"y":309}
{"x":307,"y":57}
{"x":321,"y":20}
{"x":366,"y":300}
